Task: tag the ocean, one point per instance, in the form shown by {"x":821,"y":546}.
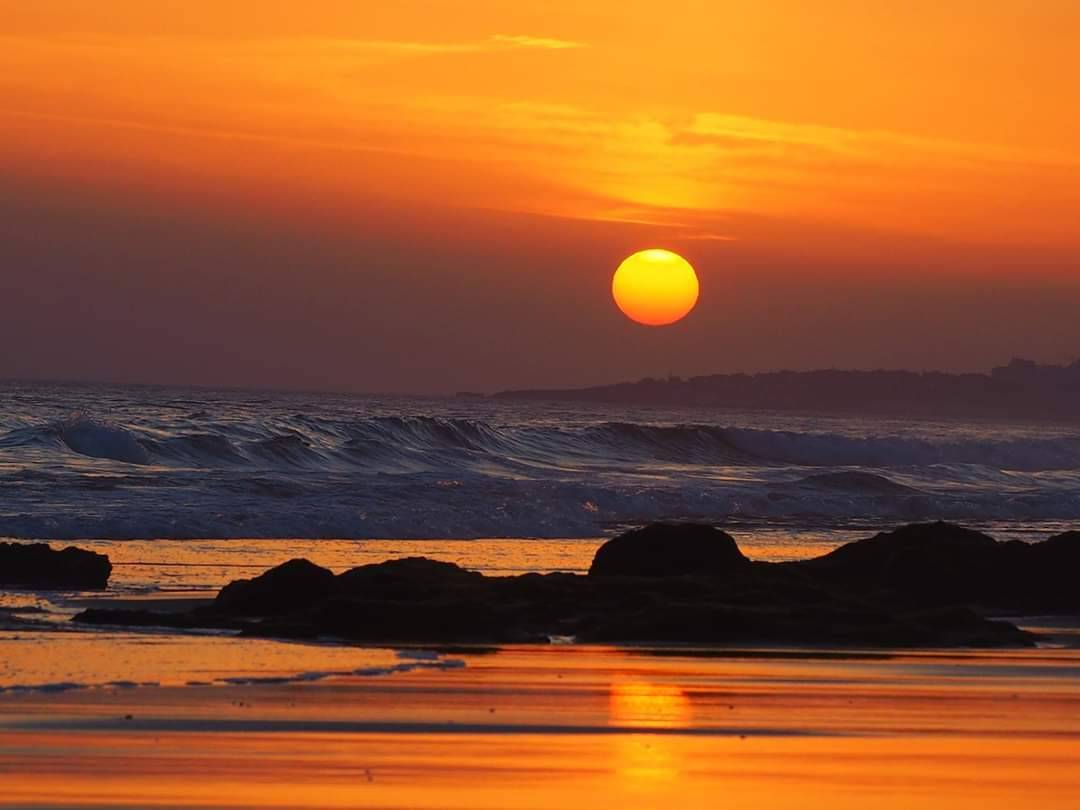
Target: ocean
{"x":83,"y":462}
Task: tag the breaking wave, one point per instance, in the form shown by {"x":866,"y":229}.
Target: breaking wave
{"x":388,"y":444}
{"x":226,"y":466}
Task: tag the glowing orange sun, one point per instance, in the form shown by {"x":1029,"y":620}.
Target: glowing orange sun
{"x":655,"y":287}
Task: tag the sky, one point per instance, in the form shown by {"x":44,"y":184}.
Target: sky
{"x":430,"y":196}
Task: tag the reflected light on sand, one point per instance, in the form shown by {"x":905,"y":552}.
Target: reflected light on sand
{"x":641,"y":704}
{"x":643,"y":760}
{"x":575,"y":727}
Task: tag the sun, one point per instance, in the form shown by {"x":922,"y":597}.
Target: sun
{"x":655,"y":287}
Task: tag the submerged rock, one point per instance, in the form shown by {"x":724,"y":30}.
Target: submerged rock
{"x":39,"y":566}
{"x":669,"y":549}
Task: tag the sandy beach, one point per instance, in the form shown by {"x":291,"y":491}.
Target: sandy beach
{"x":551,"y":727}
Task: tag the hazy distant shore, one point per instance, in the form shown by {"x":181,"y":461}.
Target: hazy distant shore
{"x":1021,"y":390}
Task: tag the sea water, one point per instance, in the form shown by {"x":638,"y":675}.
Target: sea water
{"x":139,"y":462}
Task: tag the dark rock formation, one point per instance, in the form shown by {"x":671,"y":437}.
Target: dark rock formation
{"x":38,"y":566}
{"x":667,"y":550}
{"x":924,"y":585}
{"x":147,"y":618}
{"x":935,"y":564}
{"x":839,"y":625}
{"x":407,"y":578}
{"x":1057,"y":564}
{"x":289,"y":587}
{"x":412,"y":598}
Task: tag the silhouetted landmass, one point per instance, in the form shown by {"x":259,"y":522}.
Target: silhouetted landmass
{"x":1021,"y":390}
{"x":921,"y":585}
{"x":38,"y":566}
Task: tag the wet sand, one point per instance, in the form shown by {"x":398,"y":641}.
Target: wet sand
{"x":566,"y":727}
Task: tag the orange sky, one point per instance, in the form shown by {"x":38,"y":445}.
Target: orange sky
{"x":853,"y":133}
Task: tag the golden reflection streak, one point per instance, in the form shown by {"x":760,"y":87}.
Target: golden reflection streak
{"x":647,"y":760}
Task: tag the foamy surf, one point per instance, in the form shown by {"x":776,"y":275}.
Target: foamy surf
{"x":99,"y":462}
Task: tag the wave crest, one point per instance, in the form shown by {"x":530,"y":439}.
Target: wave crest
{"x":392,"y":444}
{"x":94,"y":439}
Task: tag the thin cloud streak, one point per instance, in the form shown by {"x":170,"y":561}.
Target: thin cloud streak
{"x":522,"y":41}
{"x":493,"y":44}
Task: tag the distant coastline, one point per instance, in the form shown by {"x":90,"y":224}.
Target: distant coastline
{"x":1022,"y":389}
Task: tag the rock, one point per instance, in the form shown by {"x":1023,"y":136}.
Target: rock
{"x":138,"y":618}
{"x":876,"y":554}
{"x":962,"y":627}
{"x":937,"y":564}
{"x":464,"y":619}
{"x":1054,"y":573}
{"x":414,"y":599}
{"x":927,"y":585}
{"x":669,"y":549}
{"x":404,"y":578}
{"x":1061,"y":549}
{"x":928,"y":557}
{"x":839,"y":625}
{"x":38,"y":566}
{"x":290,"y":587}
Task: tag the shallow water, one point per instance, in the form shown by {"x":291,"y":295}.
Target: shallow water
{"x":562,"y":727}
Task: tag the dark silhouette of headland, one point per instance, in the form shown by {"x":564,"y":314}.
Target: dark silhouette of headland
{"x":1021,"y":390}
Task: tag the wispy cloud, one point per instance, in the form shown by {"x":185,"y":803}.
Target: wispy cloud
{"x":523,"y":41}
{"x":551,"y":149}
{"x":733,"y":133}
{"x":495,"y":43}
